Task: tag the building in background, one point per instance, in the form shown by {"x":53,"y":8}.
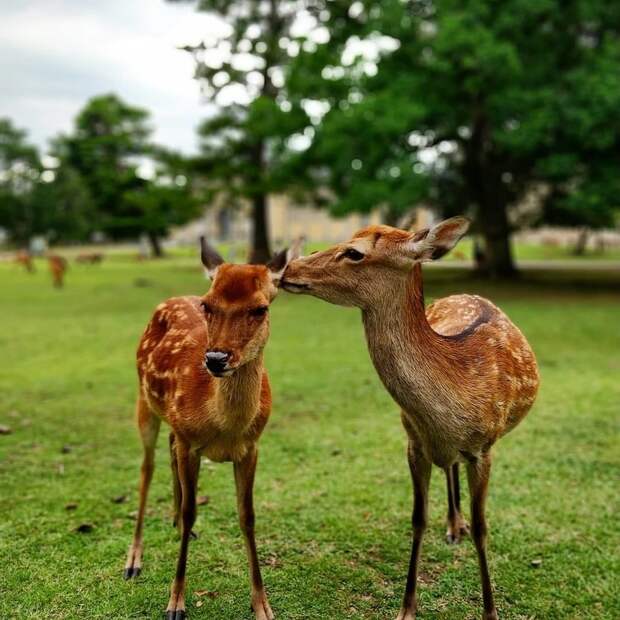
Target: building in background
{"x":287,"y":220}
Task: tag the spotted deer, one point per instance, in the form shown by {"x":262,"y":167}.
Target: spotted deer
{"x":200,"y":369}
{"x":461,"y":372}
{"x":58,"y":266}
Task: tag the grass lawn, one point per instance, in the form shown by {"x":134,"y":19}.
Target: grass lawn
{"x":333,"y":494}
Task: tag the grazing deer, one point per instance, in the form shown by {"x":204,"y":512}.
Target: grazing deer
{"x":58,"y":266}
{"x":89,"y":258}
{"x":24,"y":258}
{"x":462,"y":373}
{"x":200,"y":368}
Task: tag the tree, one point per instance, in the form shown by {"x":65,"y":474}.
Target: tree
{"x":166,"y":200}
{"x":105,"y":148}
{"x":246,"y":142}
{"x":468,"y":105}
{"x":20,"y":168}
{"x":64,"y":206}
{"x":111,"y":139}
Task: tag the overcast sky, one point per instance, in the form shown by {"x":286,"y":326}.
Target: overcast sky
{"x":55,"y":54}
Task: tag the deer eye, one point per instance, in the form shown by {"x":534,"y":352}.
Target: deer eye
{"x":259,"y":312}
{"x":352,"y":254}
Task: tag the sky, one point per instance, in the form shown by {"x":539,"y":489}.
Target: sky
{"x":56,"y":54}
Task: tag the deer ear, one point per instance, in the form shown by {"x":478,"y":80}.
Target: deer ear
{"x":210,"y":258}
{"x":432,"y":244}
{"x":281,"y":259}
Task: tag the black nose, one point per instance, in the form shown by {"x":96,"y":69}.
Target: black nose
{"x":216,"y":361}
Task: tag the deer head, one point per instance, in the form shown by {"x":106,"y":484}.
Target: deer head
{"x":236,"y":307}
{"x":360,"y":271}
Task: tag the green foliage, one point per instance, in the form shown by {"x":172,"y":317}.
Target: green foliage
{"x":246,"y":143}
{"x":65,"y":207}
{"x":109,"y":141}
{"x":333,"y":491}
{"x":20,"y":168}
{"x":469,"y":106}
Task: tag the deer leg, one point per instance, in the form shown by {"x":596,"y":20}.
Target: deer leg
{"x":176,"y":484}
{"x":176,"y":488}
{"x":457,"y":526}
{"x":148,"y":425}
{"x":478,"y":473}
{"x":244,"y":482}
{"x":420,"y":469}
{"x":188,"y":465}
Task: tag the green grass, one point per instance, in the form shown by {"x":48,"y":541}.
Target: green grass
{"x":333,"y":493}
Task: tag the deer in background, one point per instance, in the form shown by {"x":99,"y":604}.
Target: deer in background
{"x":200,"y":369}
{"x":24,"y":258}
{"x":58,"y":266}
{"x":461,"y":372}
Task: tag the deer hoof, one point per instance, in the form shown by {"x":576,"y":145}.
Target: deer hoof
{"x":456,"y":532}
{"x":406,"y":614}
{"x":178,"y":614}
{"x":132,"y":571}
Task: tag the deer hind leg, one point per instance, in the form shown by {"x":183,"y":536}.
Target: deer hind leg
{"x":420,"y":469}
{"x":148,"y":425}
{"x":244,"y":482}
{"x":457,"y":526}
{"x":478,"y":473}
{"x":188,"y":465}
{"x":176,"y":483}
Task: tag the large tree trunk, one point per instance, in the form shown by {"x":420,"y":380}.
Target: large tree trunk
{"x":495,"y":259}
{"x":390,"y":216}
{"x":261,"y":251}
{"x":582,"y":242}
{"x":158,"y":251}
{"x":484,"y":182}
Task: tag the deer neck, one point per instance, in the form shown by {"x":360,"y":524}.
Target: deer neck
{"x":238,"y":396}
{"x":408,"y":355}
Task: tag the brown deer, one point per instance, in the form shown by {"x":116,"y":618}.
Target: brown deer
{"x":58,"y":266}
{"x":24,"y":258}
{"x":200,"y":368}
{"x":461,"y":372}
{"x":89,"y":258}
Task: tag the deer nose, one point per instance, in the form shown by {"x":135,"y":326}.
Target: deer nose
{"x":216,"y":361}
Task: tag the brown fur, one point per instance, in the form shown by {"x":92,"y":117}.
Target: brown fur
{"x":24,"y":258}
{"x":462,"y":373}
{"x":220,"y":418}
{"x":58,"y":267}
{"x":91,"y":258}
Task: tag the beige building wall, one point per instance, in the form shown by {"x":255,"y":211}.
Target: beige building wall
{"x":287,"y":221}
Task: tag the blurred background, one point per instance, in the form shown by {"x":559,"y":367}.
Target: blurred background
{"x":129,"y":129}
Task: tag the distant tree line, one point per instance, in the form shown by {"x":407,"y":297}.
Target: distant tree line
{"x":94,"y":184}
{"x":470,"y":107}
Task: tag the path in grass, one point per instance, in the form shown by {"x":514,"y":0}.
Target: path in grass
{"x":333,"y":492}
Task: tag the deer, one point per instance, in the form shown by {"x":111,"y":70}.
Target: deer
{"x":200,"y":369}
{"x":89,"y":258}
{"x":58,"y":266}
{"x":461,"y":372}
{"x":24,"y":258}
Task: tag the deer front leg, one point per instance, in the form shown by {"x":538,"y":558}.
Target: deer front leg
{"x":457,"y":526}
{"x":188,"y":465}
{"x":420,"y":469}
{"x":148,"y":425}
{"x":244,"y":482}
{"x":478,"y":472}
